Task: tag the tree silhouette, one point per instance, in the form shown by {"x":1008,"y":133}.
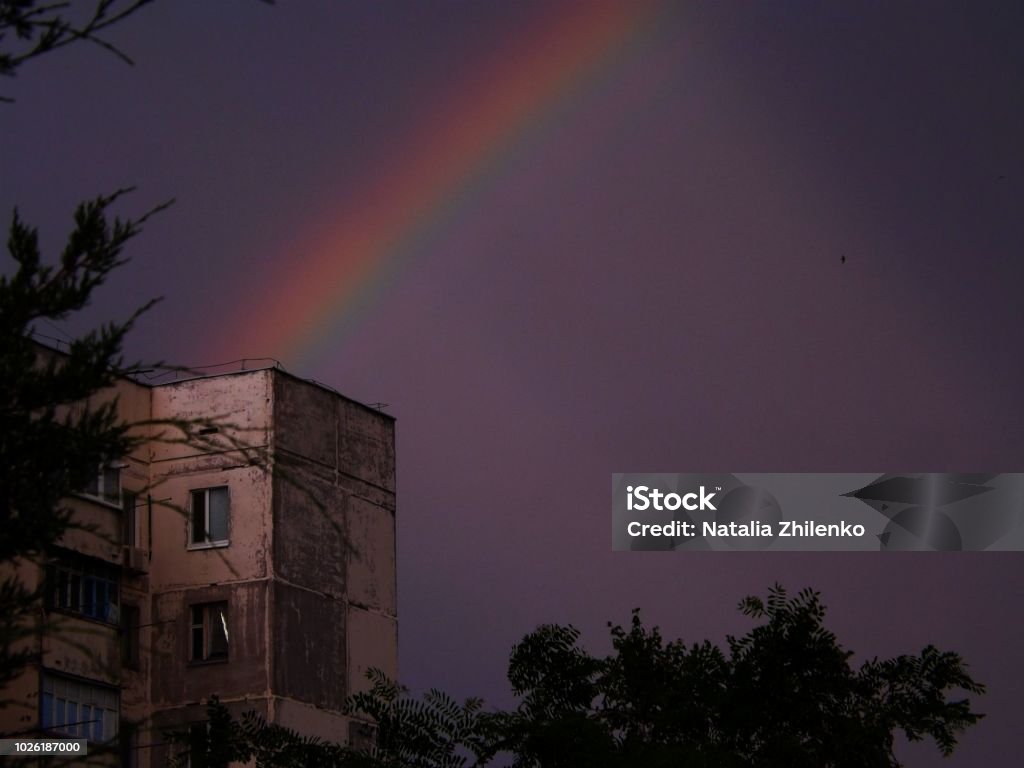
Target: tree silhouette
{"x":30,"y":29}
{"x":435,"y":732}
{"x":58,"y":421}
{"x":53,"y":438}
{"x":784,"y":695}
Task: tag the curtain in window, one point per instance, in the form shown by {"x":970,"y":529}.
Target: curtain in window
{"x":218,"y":514}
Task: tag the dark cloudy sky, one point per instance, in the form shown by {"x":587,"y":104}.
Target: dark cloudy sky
{"x":642,"y":274}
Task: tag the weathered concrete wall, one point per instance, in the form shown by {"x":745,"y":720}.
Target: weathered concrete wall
{"x":97,"y":532}
{"x":82,"y":647}
{"x":238,"y":407}
{"x":305,"y":421}
{"x":311,"y":721}
{"x":309,"y":648}
{"x":372,"y":643}
{"x":366,"y":448}
{"x":178,"y":718}
{"x":241,"y":405}
{"x":310,"y":543}
{"x":135,"y":407}
{"x":176,"y":680}
{"x":178,"y":563}
{"x":371,"y":572}
{"x":238,"y":404}
{"x":98,"y":521}
{"x":334,"y":543}
{"x":338,"y":434}
{"x":135,"y":680}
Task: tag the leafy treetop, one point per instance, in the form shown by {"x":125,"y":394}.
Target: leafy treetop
{"x":784,"y":695}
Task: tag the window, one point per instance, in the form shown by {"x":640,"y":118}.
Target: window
{"x":202,"y":751}
{"x":130,"y":520}
{"x":209,"y":636}
{"x":130,"y":636}
{"x":88,"y":587}
{"x":78,"y":709}
{"x":106,"y":484}
{"x":209,"y":520}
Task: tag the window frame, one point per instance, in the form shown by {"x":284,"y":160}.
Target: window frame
{"x":89,"y":699}
{"x":100,"y":493}
{"x":69,"y":581}
{"x":208,"y":615}
{"x":197,"y":755}
{"x":206,"y":542}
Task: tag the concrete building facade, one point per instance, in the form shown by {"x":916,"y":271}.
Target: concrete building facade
{"x":246,"y":549}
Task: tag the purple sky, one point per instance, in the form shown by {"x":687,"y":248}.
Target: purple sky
{"x":651,"y":284}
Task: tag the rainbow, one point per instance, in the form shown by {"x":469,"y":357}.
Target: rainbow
{"x":420,"y":190}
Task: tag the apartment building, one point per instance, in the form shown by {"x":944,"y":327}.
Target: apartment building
{"x":246,"y":549}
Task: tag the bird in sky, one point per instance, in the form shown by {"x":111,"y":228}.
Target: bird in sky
{"x":842,"y":259}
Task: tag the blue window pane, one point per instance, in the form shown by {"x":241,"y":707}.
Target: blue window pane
{"x":47,"y":710}
{"x":72,"y":715}
{"x":97,"y":727}
{"x":58,"y":714}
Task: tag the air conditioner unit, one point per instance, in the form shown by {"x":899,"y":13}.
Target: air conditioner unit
{"x":135,"y":559}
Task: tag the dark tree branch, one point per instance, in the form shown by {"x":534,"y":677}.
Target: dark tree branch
{"x":27,"y":30}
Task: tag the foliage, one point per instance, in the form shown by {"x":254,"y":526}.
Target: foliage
{"x":29,"y":29}
{"x":435,"y":732}
{"x":53,"y":438}
{"x":59,"y":420}
{"x":221,"y":740}
{"x":785,"y":694}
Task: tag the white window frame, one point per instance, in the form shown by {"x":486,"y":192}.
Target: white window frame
{"x":101,"y":494}
{"x":207,"y":542}
{"x":70,"y":581}
{"x":59,"y":694}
